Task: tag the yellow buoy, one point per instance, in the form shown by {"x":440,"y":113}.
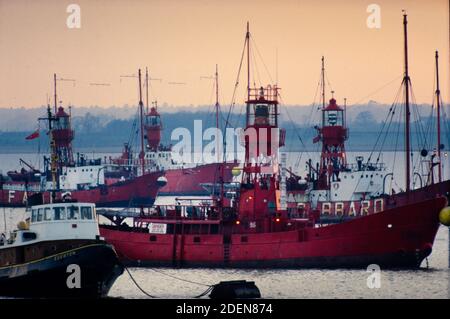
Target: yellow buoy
{"x":444,"y":216}
{"x":236,"y":171}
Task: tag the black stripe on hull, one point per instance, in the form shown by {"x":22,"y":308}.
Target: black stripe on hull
{"x":47,"y":278}
{"x":400,"y":260}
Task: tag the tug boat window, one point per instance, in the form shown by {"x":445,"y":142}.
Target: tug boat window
{"x":40,"y":214}
{"x":47,"y":213}
{"x":73,"y":213}
{"x":60,"y":213}
{"x":34,"y":213}
{"x":86,"y":212}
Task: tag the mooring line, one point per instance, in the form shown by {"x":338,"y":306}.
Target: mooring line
{"x":210,"y":287}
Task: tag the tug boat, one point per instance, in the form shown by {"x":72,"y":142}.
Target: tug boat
{"x":256,"y":229}
{"x":56,"y":243}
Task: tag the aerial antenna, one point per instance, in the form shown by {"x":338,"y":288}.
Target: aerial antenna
{"x":216,"y":85}
{"x":247,"y":40}
{"x":323,"y":82}
{"x":127,"y":76}
{"x":217,"y":109}
{"x":438,"y":105}
{"x":345,"y":111}
{"x":55,"y":79}
{"x":69,"y":80}
{"x":276,"y":66}
{"x":100,"y":84}
{"x":55,"y":94}
{"x":141,"y":111}
{"x":406,"y":82}
{"x":146,"y":88}
{"x":147,"y":84}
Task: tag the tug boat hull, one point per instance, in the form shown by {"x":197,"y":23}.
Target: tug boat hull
{"x":399,"y":237}
{"x":47,"y":277}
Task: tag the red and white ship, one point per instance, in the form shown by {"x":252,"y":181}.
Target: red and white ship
{"x":335,"y":189}
{"x":83,"y":179}
{"x":182,"y":179}
{"x":257,"y":230}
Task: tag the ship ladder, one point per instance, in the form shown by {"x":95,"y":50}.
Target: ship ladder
{"x":174,"y":250}
{"x":177,"y":254}
{"x":226,"y":249}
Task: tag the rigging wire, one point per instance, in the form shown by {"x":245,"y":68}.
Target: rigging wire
{"x":258,"y":77}
{"x":262,"y":60}
{"x":397,"y":138}
{"x":379,"y":89}
{"x":233,"y":98}
{"x":386,"y":124}
{"x":418,"y":123}
{"x":292,"y":123}
{"x":312,"y":114}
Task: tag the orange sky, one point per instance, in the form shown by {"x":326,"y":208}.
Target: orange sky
{"x":180,"y":41}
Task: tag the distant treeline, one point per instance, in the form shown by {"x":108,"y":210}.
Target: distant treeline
{"x":103,"y":133}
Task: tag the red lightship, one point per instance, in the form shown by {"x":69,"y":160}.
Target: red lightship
{"x":181,"y":179}
{"x":82,"y":179}
{"x":256,"y":230}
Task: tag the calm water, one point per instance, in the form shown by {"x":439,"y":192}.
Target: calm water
{"x":433,"y":282}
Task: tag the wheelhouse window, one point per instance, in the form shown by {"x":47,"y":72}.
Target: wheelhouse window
{"x":47,"y":213}
{"x":73,"y":212}
{"x":60,"y":213}
{"x":86,"y":212}
{"x":34,"y":214}
{"x":40,"y":214}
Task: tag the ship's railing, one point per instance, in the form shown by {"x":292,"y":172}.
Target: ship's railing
{"x":354,"y":167}
{"x":21,"y":187}
{"x":182,"y":212}
{"x":268,"y":93}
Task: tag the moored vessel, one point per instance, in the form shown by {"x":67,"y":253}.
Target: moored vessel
{"x":257,"y":229}
{"x":57,"y":253}
{"x":76,"y":177}
{"x":182,"y":179}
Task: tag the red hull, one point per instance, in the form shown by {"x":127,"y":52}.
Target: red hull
{"x":140,"y":191}
{"x":398,"y":237}
{"x":188,"y":181}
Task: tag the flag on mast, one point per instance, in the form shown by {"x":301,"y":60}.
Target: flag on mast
{"x":33,"y":135}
